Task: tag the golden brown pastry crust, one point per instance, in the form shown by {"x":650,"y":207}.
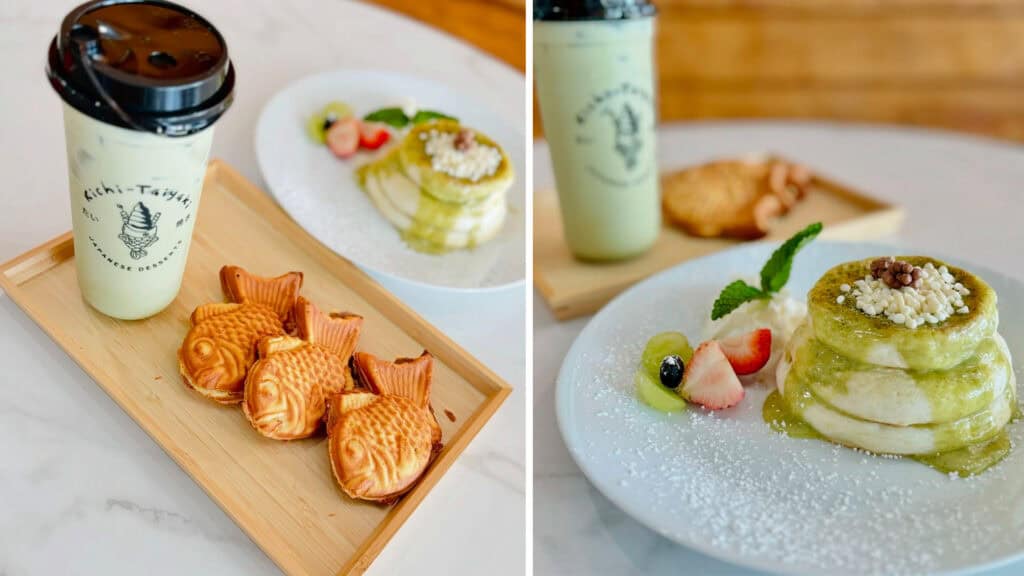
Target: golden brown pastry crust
{"x":732,"y":198}
{"x":286,"y":390}
{"x":221,"y":343}
{"x":380,"y":442}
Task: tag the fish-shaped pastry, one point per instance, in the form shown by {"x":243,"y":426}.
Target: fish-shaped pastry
{"x":221,"y":344}
{"x":381,"y":441}
{"x":287,"y":389}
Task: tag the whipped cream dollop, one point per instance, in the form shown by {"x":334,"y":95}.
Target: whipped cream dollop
{"x":472,"y":163}
{"x":781,"y":314}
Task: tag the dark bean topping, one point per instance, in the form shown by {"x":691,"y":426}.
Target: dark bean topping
{"x":896,"y":273}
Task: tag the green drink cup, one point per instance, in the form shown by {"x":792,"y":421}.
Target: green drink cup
{"x":142,"y":83}
{"x":594,"y":75}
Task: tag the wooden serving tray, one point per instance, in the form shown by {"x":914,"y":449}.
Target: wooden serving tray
{"x":573,"y":288}
{"x":281,"y":493}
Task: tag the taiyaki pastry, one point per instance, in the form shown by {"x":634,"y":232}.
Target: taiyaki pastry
{"x":380,"y":441}
{"x":902,"y":356}
{"x":443,"y":187}
{"x":221,"y":344}
{"x":286,"y":390}
{"x":733,"y":198}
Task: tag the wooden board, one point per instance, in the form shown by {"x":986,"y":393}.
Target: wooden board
{"x":572,"y":288}
{"x":281,"y":493}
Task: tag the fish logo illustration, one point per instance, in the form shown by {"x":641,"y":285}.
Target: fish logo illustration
{"x":138,"y":229}
{"x":628,"y":141}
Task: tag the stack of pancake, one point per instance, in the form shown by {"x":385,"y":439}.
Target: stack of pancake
{"x":867,"y":382}
{"x":435,"y":211}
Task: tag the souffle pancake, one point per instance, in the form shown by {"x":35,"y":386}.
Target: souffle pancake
{"x":287,"y":389}
{"x":867,"y":334}
{"x":443,"y":186}
{"x":427,"y":223}
{"x":220,"y":346}
{"x":455,"y":163}
{"x":900,"y":355}
{"x":381,"y":441}
{"x":897,"y":356}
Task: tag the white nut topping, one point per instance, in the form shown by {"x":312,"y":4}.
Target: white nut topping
{"x":472,"y":164}
{"x":937,"y":298}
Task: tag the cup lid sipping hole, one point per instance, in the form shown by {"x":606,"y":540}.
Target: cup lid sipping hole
{"x":162,"y":60}
{"x":146,"y":65}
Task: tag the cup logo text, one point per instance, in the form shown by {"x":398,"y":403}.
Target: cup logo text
{"x":620,"y":120}
{"x":150,"y":224}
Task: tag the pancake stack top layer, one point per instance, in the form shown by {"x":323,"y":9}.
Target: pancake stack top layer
{"x":444,"y":186}
{"x":876,"y":339}
{"x":862,"y":379}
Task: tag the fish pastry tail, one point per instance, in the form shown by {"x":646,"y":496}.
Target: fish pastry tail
{"x":342,"y":402}
{"x":270,"y":345}
{"x":407,"y":377}
{"x":279,"y":293}
{"x":337,"y":331}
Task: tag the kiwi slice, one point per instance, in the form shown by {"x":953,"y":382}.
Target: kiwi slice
{"x":318,"y":123}
{"x":652,"y":393}
{"x":661,"y":345}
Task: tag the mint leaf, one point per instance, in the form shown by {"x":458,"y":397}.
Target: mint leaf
{"x":393,"y":117}
{"x":775,"y":273}
{"x":734,"y":295}
{"x":425,"y":115}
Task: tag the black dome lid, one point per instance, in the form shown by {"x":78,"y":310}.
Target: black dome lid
{"x":573,"y":10}
{"x":147,"y":65}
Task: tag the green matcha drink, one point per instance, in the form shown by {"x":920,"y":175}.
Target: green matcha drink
{"x":593,"y":69}
{"x":142,"y":85}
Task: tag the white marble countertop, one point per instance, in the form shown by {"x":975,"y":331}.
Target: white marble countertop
{"x":84,"y":489}
{"x":963,"y":198}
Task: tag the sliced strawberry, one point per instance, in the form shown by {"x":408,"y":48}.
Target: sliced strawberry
{"x":373,"y":135}
{"x":749,"y":352}
{"x":343,"y":137}
{"x":709,"y":379}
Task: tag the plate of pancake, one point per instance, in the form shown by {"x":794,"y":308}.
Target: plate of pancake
{"x":396,"y":212}
{"x":903,"y":457}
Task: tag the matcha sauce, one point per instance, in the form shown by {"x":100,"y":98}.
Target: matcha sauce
{"x":965,"y":462}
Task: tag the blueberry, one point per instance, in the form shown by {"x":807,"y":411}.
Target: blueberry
{"x":671,"y":372}
{"x":329,"y":120}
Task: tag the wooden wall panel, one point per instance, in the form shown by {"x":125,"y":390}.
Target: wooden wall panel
{"x":956,"y":64}
{"x":865,"y":51}
{"x":497,"y":27}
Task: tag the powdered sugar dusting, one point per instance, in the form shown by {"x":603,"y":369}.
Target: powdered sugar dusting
{"x":727,"y":484}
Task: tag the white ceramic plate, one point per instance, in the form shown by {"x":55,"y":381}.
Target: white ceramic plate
{"x":320,"y":192}
{"x":725,"y":484}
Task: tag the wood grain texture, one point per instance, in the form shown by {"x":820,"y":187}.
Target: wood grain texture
{"x":497,"y":27}
{"x":281,"y":493}
{"x":956,"y":64}
{"x":572,"y":288}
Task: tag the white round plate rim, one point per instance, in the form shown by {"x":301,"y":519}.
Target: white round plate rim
{"x":515,"y":223}
{"x":566,"y":417}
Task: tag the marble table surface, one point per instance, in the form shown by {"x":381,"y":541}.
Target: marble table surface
{"x":84,"y":489}
{"x":963,"y":198}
